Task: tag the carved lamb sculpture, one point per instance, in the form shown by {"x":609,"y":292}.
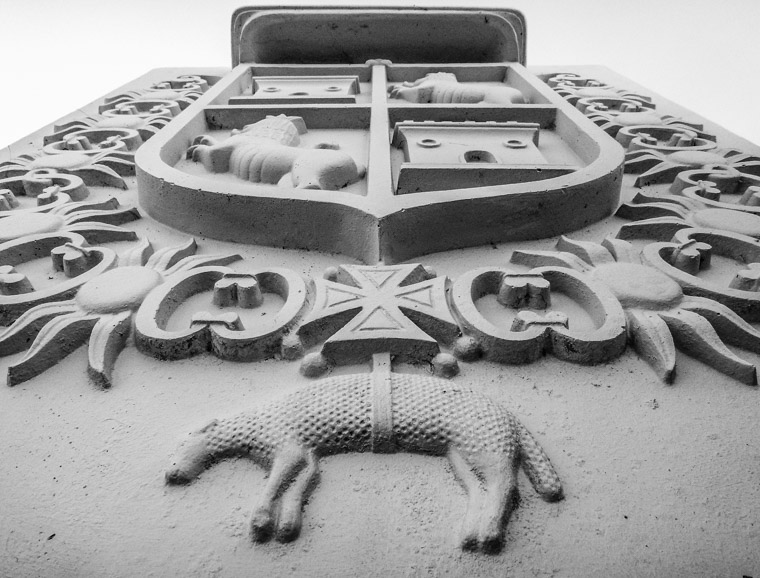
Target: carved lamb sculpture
{"x":353,"y":413}
{"x":443,"y":87}
{"x":268,"y":150}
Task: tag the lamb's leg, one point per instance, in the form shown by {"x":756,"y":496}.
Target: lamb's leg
{"x":500,"y":472}
{"x":417,"y":94}
{"x":291,"y":502}
{"x":475,"y":497}
{"x":394,"y":89}
{"x":200,"y":142}
{"x":204,"y":139}
{"x":287,"y":461}
{"x":215,"y":158}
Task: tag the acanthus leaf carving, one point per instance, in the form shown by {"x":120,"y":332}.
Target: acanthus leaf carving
{"x":49,"y":188}
{"x":80,"y":264}
{"x":105,"y":299}
{"x":659,"y":217}
{"x":736,"y":293}
{"x":658,"y":301}
{"x":95,"y":168}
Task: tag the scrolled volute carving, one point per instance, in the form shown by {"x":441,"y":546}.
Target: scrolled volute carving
{"x":531,"y":334}
{"x":222,"y":332}
{"x":96,"y":168}
{"x":662,"y":299}
{"x":690,"y":252}
{"x":70,"y":255}
{"x":101,"y":301}
{"x":96,"y":221}
{"x":49,"y":189}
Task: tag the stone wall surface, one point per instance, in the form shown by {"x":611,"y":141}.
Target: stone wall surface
{"x":656,"y":450}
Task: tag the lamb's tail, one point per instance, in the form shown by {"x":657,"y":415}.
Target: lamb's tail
{"x":537,"y":466}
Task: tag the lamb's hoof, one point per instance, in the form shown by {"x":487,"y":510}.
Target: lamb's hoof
{"x":177,"y":477}
{"x":288,"y":532}
{"x":492,"y":544}
{"x":262,"y":526}
{"x":469,"y":541}
{"x":190,"y":155}
{"x":201,"y":139}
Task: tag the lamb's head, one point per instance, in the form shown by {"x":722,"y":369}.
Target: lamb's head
{"x":421,"y":90}
{"x":194,"y":455}
{"x":433,"y":77}
{"x":282,"y":129}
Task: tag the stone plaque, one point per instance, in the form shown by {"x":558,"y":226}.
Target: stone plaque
{"x":378,"y":301}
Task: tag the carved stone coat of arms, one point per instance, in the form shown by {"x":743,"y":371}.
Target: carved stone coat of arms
{"x":247,"y":313}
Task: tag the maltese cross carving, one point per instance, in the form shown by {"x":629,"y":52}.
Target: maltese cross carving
{"x":358,"y":311}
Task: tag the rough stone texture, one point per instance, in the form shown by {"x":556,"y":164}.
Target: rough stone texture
{"x":658,"y":481}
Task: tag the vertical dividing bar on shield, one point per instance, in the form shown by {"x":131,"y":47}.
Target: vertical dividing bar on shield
{"x":379,"y":178}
